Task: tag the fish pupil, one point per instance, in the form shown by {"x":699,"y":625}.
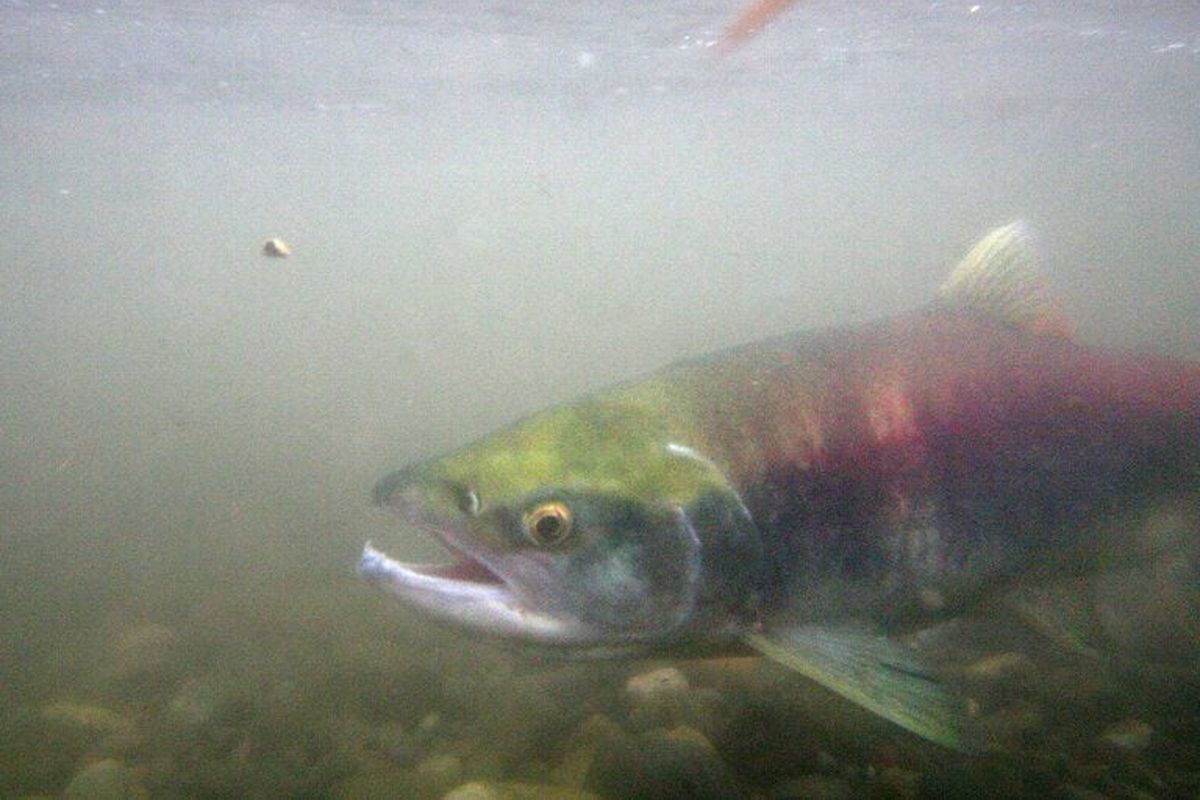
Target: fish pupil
{"x":548,"y":527}
{"x":548,"y":524}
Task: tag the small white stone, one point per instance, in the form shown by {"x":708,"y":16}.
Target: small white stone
{"x":446,"y":767}
{"x":276,"y":248}
{"x":998,"y":666}
{"x":656,"y":686}
{"x":105,"y":780}
{"x":1129,"y":734}
{"x":472,"y":791}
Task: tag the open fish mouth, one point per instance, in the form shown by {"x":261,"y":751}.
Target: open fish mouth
{"x":466,"y":592}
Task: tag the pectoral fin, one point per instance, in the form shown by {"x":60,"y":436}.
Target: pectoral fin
{"x":877,"y":674}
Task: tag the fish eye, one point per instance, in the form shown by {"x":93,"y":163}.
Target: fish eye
{"x":548,"y":524}
{"x":468,"y":501}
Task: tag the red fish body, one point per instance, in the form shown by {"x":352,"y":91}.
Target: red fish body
{"x":910,"y":461}
{"x":809,"y":493}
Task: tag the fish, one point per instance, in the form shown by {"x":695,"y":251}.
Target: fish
{"x":816,"y":496}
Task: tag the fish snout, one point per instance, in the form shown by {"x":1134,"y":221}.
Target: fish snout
{"x":387,"y":487}
{"x":405,"y":489}
{"x":421,"y":496}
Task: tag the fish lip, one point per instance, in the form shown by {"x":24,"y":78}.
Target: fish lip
{"x":489,"y":607}
{"x":501,"y":607}
{"x":407,"y":499}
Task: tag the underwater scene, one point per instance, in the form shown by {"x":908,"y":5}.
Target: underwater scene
{"x":601,"y":400}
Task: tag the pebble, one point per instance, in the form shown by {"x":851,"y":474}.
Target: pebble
{"x":769,"y":741}
{"x":657,"y":683}
{"x":104,"y":780}
{"x":397,"y":745}
{"x":522,"y":720}
{"x":1130,"y":734}
{"x":592,"y":734}
{"x":983,"y":778}
{"x":438,"y":773}
{"x":1070,"y":791}
{"x":686,"y":733}
{"x":711,"y":711}
{"x":38,"y":754}
{"x":1015,"y":727}
{"x":898,"y":783}
{"x":474,"y":791}
{"x":276,"y":248}
{"x":813,"y":787}
{"x":480,"y":790}
{"x":733,"y":672}
{"x":382,"y":784}
{"x":656,"y":697}
{"x":145,"y":652}
{"x":597,"y":728}
{"x":998,"y":667}
{"x":197,"y":698}
{"x":654,"y":766}
{"x":92,"y":719}
{"x":379,"y":682}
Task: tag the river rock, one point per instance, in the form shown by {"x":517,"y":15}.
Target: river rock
{"x":276,"y":248}
{"x":1069,"y":791}
{"x":1133,"y":735}
{"x":145,"y":660}
{"x":655,"y":766}
{"x":686,"y":733}
{"x":104,"y":780}
{"x":95,"y":720}
{"x":656,"y":697}
{"x":37,"y":754}
{"x":1015,"y":726}
{"x":813,"y":787}
{"x":388,"y":783}
{"x":897,"y":783}
{"x":656,"y":686}
{"x":998,"y":667}
{"x":988,"y":777}
{"x":379,"y":682}
{"x":198,"y":698}
{"x":479,"y":790}
{"x":593,"y":734}
{"x":769,"y":741}
{"x":526,"y":717}
{"x":438,"y":773}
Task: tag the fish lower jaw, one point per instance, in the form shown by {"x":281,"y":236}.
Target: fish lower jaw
{"x":469,"y":595}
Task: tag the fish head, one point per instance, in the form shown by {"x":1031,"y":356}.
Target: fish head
{"x":573,"y":527}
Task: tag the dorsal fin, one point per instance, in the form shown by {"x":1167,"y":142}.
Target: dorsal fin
{"x":1001,"y":277}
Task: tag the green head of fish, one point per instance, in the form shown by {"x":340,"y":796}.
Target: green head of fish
{"x":598,"y":524}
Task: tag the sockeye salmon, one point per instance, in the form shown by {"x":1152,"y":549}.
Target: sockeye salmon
{"x":809,"y":495}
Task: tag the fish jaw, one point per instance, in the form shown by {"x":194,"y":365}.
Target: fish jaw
{"x":480,"y":589}
{"x":628,"y":575}
{"x":456,"y":594}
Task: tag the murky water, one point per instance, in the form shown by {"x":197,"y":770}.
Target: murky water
{"x":494,"y":207}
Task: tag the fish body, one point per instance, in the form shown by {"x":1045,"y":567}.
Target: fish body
{"x":811,"y":494}
{"x":913,"y":462}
